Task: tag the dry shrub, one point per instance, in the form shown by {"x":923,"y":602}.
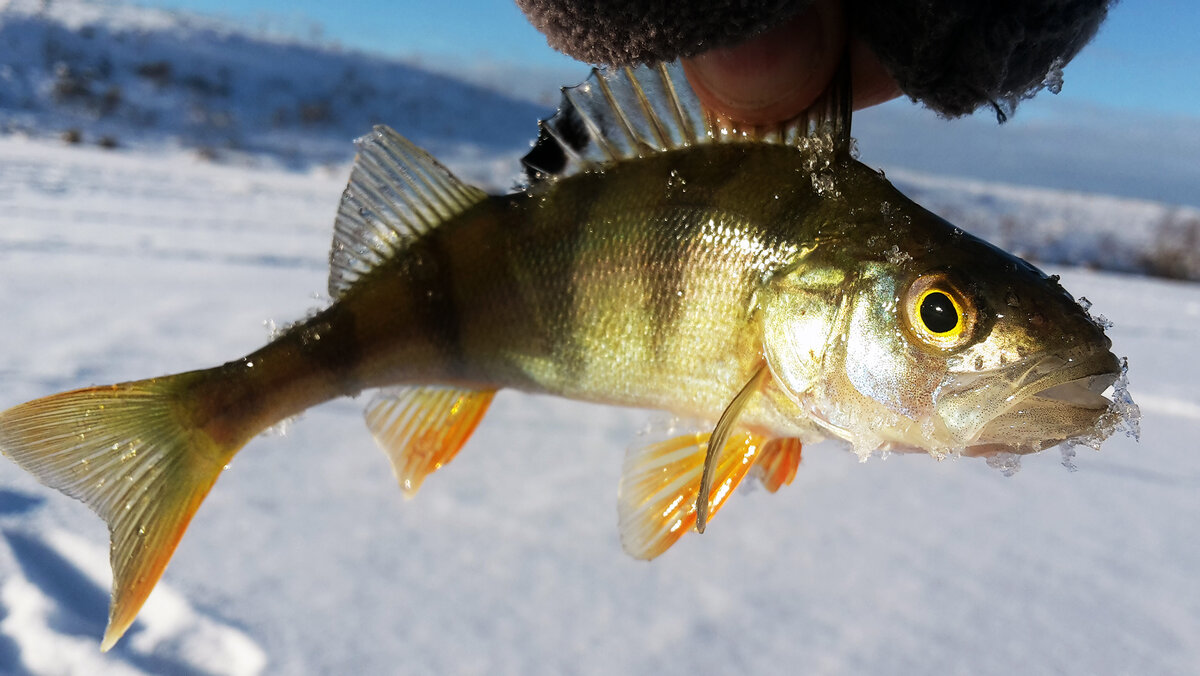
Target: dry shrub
{"x":1175,"y":252}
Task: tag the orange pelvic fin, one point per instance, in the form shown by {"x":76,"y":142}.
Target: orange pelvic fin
{"x":422,"y":428}
{"x":660,"y":484}
{"x":777,"y":463}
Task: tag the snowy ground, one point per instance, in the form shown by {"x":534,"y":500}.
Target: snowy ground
{"x":306,"y":559}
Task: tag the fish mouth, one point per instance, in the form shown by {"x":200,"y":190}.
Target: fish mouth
{"x":1054,"y":399}
{"x":1085,"y":392}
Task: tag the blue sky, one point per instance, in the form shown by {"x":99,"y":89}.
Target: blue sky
{"x":461,"y":31}
{"x":1145,"y":57}
{"x":1127,"y":121}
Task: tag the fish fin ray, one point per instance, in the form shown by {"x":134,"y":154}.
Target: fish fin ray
{"x":659,"y":482}
{"x":131,"y":453}
{"x":777,"y":463}
{"x":721,"y":432}
{"x":422,"y":428}
{"x":624,"y":113}
{"x":396,"y":193}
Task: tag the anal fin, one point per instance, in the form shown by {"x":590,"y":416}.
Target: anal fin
{"x":423,"y":428}
{"x":661,"y":482}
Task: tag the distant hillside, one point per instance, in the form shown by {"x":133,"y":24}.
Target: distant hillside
{"x":102,"y":72}
{"x":1104,"y":232}
{"x":108,"y":73}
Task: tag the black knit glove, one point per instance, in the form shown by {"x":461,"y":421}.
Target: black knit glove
{"x":952,"y":55}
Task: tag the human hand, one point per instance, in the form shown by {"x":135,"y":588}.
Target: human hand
{"x":777,"y":74}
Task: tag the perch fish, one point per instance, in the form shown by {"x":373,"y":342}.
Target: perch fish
{"x":658,"y":257}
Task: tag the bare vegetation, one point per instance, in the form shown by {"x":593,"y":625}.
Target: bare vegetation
{"x":1175,"y":252}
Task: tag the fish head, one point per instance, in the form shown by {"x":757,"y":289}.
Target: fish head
{"x":1026,"y":365}
{"x":946,"y":344}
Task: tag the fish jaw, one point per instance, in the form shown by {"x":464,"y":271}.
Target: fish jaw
{"x":1028,"y":406}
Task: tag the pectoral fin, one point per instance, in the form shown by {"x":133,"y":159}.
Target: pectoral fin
{"x":422,"y":428}
{"x":720,"y":433}
{"x":777,"y":463}
{"x":659,"y":485}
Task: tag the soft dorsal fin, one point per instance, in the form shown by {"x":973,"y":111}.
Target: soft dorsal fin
{"x":625,"y":113}
{"x":397,"y":192}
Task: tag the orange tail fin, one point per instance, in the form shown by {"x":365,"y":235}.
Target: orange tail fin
{"x":136,"y":455}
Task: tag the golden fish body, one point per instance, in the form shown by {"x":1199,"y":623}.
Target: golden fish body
{"x":759,"y":278}
{"x":619,"y":287}
{"x":615,"y":287}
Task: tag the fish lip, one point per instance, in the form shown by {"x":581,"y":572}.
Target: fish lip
{"x":1088,"y":369}
{"x":1082,"y":392}
{"x":1071,"y":383}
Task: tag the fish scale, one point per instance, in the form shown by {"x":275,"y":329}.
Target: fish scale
{"x":678,"y":277}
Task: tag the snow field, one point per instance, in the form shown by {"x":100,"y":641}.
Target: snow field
{"x":306,"y":559}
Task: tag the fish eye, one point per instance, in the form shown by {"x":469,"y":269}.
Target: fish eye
{"x":938,"y":314}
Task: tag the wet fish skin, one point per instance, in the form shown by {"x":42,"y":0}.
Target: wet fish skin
{"x":616,"y":288}
{"x":587,"y":292}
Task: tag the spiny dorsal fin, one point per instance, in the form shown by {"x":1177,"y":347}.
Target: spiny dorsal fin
{"x":625,"y":113}
{"x":397,"y":192}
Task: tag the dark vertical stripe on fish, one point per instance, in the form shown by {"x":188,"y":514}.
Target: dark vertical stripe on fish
{"x":540,"y":256}
{"x":671,"y":263}
{"x":434,"y":299}
{"x":328,"y":343}
{"x":559,"y":300}
{"x":589,"y":235}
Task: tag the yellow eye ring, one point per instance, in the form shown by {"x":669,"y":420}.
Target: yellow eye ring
{"x":938,"y":314}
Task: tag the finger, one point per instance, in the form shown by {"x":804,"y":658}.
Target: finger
{"x":872,"y":83}
{"x":776,"y":74}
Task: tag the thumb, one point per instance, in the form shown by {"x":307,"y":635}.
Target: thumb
{"x":776,"y":74}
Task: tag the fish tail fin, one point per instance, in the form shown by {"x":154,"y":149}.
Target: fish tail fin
{"x":142,"y":455}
